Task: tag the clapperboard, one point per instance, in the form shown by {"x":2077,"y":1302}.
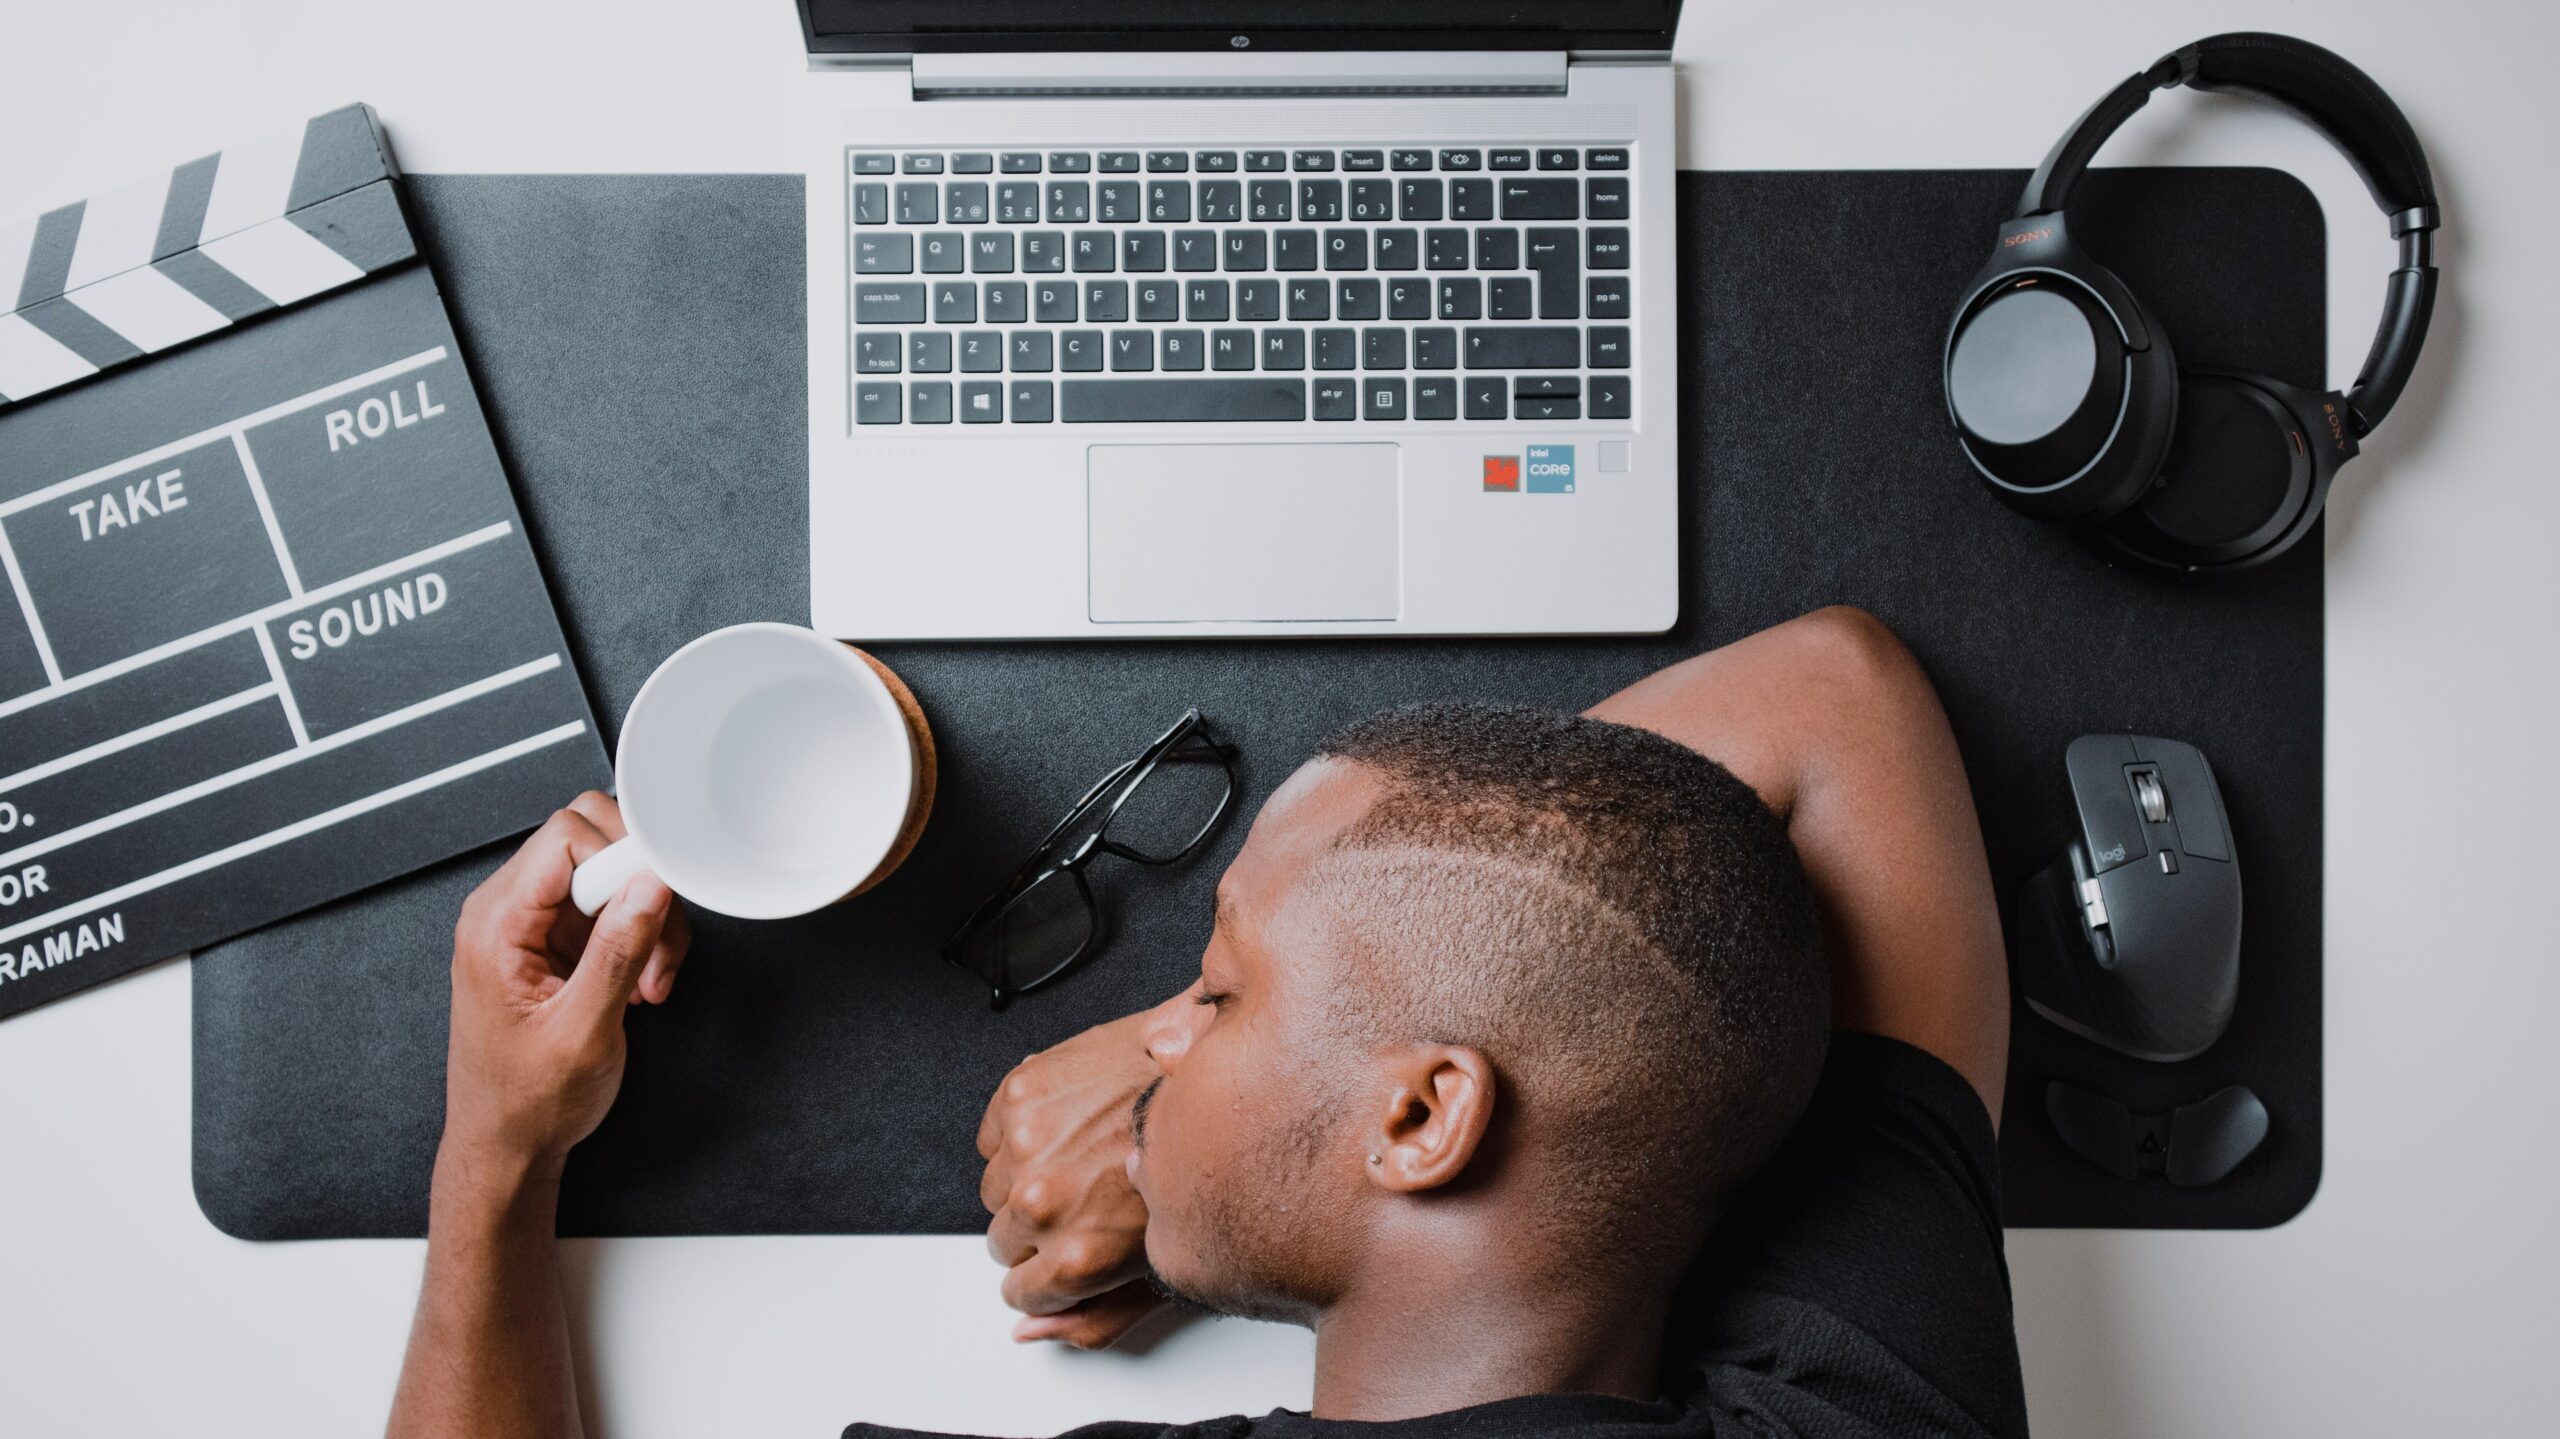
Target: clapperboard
{"x":273,"y":632}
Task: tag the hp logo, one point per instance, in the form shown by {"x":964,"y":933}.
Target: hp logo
{"x":1242,"y":42}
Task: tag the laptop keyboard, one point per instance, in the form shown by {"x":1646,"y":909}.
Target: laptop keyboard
{"x":1366,"y":286}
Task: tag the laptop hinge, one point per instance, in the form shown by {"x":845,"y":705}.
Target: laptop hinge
{"x":1302,"y":72}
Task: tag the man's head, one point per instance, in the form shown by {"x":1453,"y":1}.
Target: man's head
{"x":1480,"y":971}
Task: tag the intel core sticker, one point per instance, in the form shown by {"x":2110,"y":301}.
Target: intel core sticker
{"x":1502,"y":474}
{"x":1551,"y":469}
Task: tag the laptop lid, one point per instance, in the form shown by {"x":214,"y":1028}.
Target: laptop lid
{"x":918,"y":27}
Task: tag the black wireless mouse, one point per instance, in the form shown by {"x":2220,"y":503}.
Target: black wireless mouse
{"x":2132,"y":937}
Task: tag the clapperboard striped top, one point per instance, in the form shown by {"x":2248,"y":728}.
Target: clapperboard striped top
{"x":105,"y":281}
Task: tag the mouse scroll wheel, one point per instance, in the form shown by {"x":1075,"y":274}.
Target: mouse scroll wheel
{"x":2153,"y":799}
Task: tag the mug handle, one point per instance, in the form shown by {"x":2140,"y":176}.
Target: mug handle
{"x":596,"y":882}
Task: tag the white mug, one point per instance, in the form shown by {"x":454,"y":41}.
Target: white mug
{"x":764,"y":771}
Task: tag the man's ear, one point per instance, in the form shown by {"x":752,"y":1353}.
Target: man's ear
{"x":1439,"y":1106}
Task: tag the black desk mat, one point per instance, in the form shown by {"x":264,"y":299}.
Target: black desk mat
{"x":639,"y":340}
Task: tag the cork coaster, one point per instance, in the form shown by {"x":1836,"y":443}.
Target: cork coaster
{"x":927,"y":769}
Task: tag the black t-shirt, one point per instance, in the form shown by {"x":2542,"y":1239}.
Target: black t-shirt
{"x":1857,"y":1287}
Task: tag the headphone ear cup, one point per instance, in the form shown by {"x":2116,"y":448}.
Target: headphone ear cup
{"x":2062,"y":418}
{"x":2241,"y":482}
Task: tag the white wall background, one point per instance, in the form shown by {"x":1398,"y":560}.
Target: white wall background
{"x":2411,"y":1297}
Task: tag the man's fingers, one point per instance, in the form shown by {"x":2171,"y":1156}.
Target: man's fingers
{"x":625,"y":935}
{"x":537,"y":877}
{"x":1096,"y":1322}
{"x":601,"y":810}
{"x":675,"y":940}
{"x":1070,"y":1269}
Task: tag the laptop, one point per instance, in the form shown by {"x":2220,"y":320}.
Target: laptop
{"x":1179,"y":318}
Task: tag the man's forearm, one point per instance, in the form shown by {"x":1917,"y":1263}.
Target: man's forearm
{"x":489,"y":1353}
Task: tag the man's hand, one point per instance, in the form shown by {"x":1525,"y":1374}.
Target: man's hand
{"x":1068,"y":1225}
{"x":537,"y":1048}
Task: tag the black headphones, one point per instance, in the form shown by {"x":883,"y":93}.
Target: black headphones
{"x":2066,"y":393}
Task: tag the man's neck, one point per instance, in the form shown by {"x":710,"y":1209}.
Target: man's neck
{"x":1433,"y":1334}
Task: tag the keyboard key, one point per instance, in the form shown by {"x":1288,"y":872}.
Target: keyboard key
{"x":1604,"y":159}
{"x":1044,"y":252}
{"x":1017,"y":162}
{"x":1409,"y":159}
{"x":1399,"y":250}
{"x":1070,"y":202}
{"x":1215,"y":162}
{"x":944,"y":253}
{"x":877,"y":354}
{"x":1018,"y":203}
{"x":1357,"y":300}
{"x":1284,"y":349}
{"x":1541,"y":200}
{"x":1106,"y":301}
{"x":1346,"y":249}
{"x":1444,"y":249}
{"x":1337,"y":400}
{"x":875,"y":164}
{"x":1069,"y":162}
{"x":1310,"y":300}
{"x":1080,"y":350}
{"x":1509,"y":160}
{"x":1033,"y":352}
{"x":1516,"y":347}
{"x":1471,"y":199}
{"x":1297,"y":250}
{"x":1257,"y":299}
{"x":1267,"y":201}
{"x":981,"y":352}
{"x":991,"y":254}
{"x":1420,"y":200}
{"x":1557,"y":257}
{"x":1610,"y":299}
{"x":871,"y":204}
{"x":1033,"y":403}
{"x":1558,"y":159}
{"x":929,"y":352}
{"x":1320,"y":199}
{"x":1120,"y":162}
{"x":1364,"y":160}
{"x":1609,"y":199}
{"x":1221,"y":202}
{"x":1142,"y":251}
{"x":929,"y":402}
{"x":1608,"y":249}
{"x":1053,"y":302}
{"x":1231,"y":349}
{"x":1263,"y":162}
{"x":973,"y":164}
{"x":1120,"y":202}
{"x":1204,"y":301}
{"x":1373,"y":200}
{"x":1158,"y":301}
{"x":1382,"y":349}
{"x":1195,"y":251}
{"x":982,"y":403}
{"x":1545,"y":386}
{"x":1133,"y":350}
{"x":1510,"y":298}
{"x":1462,"y":299}
{"x":1566,"y":409}
{"x":919,"y":204}
{"x":1093,"y":254}
{"x":1169,"y":202}
{"x":1435,"y":349}
{"x":1138,"y":402}
{"x":1382,"y":399}
{"x":1497,"y":249}
{"x":1613,"y":397}
{"x":1311,"y":159}
{"x":1488,"y":400}
{"x":1186,"y":350}
{"x":1435,"y":399}
{"x":1246,"y":251}
{"x":884,"y":254}
{"x":888,"y":304}
{"x":922,"y":165}
{"x":1408,"y":299}
{"x":876,"y":404}
{"x":1168,"y":162}
{"x":1612,"y":347}
{"x":1462,"y":159}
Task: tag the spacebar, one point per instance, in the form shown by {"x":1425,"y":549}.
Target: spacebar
{"x":1150,"y":402}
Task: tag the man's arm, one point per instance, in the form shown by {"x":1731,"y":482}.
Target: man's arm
{"x":1835,"y":725}
{"x":534,"y":1058}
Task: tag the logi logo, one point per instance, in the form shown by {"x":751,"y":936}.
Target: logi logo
{"x":1502,"y":474}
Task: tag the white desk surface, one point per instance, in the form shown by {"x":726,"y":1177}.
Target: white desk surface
{"x":2407,"y":1298}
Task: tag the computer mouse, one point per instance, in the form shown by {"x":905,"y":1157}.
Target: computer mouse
{"x":2132,"y":937}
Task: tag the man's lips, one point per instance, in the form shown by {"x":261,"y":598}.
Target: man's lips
{"x":1138,"y":1111}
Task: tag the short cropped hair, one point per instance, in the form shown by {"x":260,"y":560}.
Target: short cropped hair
{"x":1616,"y":921}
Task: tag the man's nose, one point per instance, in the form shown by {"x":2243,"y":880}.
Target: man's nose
{"x":1168,"y":1030}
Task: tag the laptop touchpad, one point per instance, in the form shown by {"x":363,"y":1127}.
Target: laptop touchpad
{"x":1194,"y":533}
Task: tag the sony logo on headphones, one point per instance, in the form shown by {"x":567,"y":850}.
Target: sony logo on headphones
{"x":2337,"y":426}
{"x":2006,"y":241}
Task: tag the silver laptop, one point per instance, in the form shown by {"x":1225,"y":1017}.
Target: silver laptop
{"x":1177,"y":318}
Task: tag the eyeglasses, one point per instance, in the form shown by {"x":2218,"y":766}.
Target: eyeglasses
{"x":1156,"y":809}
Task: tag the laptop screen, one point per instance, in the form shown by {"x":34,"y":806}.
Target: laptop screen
{"x":918,"y":26}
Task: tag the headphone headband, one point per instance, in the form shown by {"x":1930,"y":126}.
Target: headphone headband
{"x":2342,"y":103}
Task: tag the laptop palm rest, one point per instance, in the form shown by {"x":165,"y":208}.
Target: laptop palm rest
{"x":1201,"y":533}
